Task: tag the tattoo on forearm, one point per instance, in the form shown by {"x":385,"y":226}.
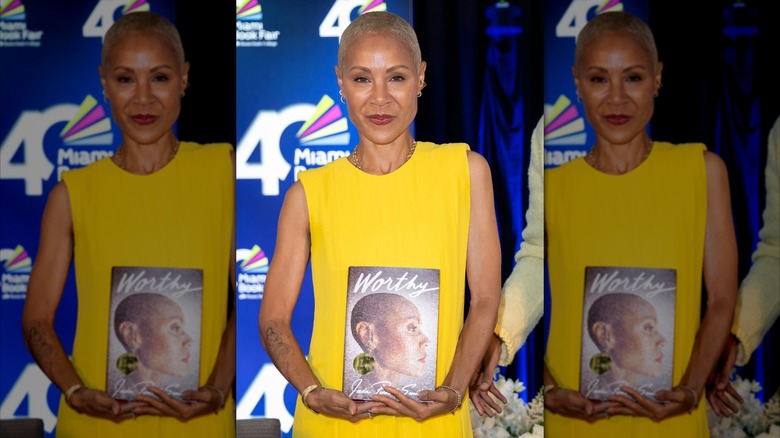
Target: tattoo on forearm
{"x":40,"y":347}
{"x":278,"y":349}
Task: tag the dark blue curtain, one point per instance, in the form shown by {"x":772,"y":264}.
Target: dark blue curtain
{"x":481,"y":75}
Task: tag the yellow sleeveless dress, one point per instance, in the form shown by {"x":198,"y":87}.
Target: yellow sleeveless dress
{"x":416,"y":216}
{"x":653,"y":216}
{"x":179,"y":216}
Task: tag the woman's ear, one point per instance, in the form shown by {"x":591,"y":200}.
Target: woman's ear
{"x":131,"y":335}
{"x":366,"y":335}
{"x":605,"y":338}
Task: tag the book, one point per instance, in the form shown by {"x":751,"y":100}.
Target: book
{"x":627,"y":330}
{"x":391,"y":331}
{"x":154,"y":331}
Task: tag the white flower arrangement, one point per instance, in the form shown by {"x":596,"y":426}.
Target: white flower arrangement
{"x":516,"y":420}
{"x":753,"y":419}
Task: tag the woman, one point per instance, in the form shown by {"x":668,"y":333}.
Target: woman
{"x":152,"y":329}
{"x":636,"y":203}
{"x":388,"y":329}
{"x":157,"y":202}
{"x":393,"y":202}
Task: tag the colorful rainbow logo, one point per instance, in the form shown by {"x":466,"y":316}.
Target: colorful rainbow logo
{"x":563,"y":124}
{"x":248,"y":10}
{"x":609,"y":6}
{"x":372,"y":6}
{"x":256,"y":262}
{"x":13,"y":11}
{"x":327,"y":126}
{"x":90,"y":126}
{"x":18,"y":261}
{"x":135,"y":6}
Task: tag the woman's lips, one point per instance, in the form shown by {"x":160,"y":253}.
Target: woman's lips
{"x":144,"y":119}
{"x":380,"y":119}
{"x":617,"y":119}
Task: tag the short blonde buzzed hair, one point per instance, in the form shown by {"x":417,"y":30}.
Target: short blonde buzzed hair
{"x":143,"y":22}
{"x":616,"y":22}
{"x":379,"y":22}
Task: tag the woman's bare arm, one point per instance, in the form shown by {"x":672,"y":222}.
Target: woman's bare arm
{"x":44,"y":292}
{"x":282,"y":287}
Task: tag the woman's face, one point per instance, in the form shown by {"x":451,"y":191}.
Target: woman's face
{"x":401,"y":343}
{"x":617,"y":82}
{"x":638,"y":345}
{"x":143,"y":82}
{"x":380,"y":83}
{"x":165,"y":345}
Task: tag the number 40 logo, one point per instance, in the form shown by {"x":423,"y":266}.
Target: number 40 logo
{"x":576,"y":17}
{"x":340,"y":15}
{"x":102,"y":17}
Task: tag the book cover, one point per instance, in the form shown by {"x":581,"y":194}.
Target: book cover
{"x":154,"y":331}
{"x":391,"y":331}
{"x":627,"y":330}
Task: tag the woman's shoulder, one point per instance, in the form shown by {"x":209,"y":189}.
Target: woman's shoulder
{"x":569,"y":167}
{"x":321,"y":171}
{"x":678,"y":148}
{"x":205,"y":148}
{"x":90,"y":170}
{"x":442,"y":148}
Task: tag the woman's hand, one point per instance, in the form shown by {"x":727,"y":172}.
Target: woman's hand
{"x":573,"y":404}
{"x":441,"y":401}
{"x":719,"y":388}
{"x":96,"y":403}
{"x":677,"y":401}
{"x":482,"y":386}
{"x":201,"y":402}
{"x":334,"y":403}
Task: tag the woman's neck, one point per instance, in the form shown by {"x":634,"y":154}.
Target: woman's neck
{"x":382,"y":159}
{"x":617,"y":159}
{"x":145,"y":159}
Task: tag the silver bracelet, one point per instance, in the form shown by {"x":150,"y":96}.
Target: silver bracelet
{"x":457,"y":394}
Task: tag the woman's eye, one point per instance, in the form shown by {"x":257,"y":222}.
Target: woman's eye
{"x":161,"y":78}
{"x":361,"y":80}
{"x":598,"y":79}
{"x":634,"y":78}
{"x":123,"y":80}
{"x":397,"y":78}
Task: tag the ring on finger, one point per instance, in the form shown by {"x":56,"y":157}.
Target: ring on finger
{"x":370,"y":414}
{"x":132,"y":413}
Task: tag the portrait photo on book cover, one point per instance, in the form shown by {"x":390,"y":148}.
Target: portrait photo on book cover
{"x":391,"y":331}
{"x":627,"y":330}
{"x":154,"y":331}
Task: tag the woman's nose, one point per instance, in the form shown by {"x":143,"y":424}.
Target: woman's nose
{"x":617,"y":92}
{"x":379,"y":93}
{"x":143,"y":92}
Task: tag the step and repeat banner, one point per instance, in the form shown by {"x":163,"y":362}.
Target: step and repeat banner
{"x":567,"y":134}
{"x":289,"y":119}
{"x":52,"y":119}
